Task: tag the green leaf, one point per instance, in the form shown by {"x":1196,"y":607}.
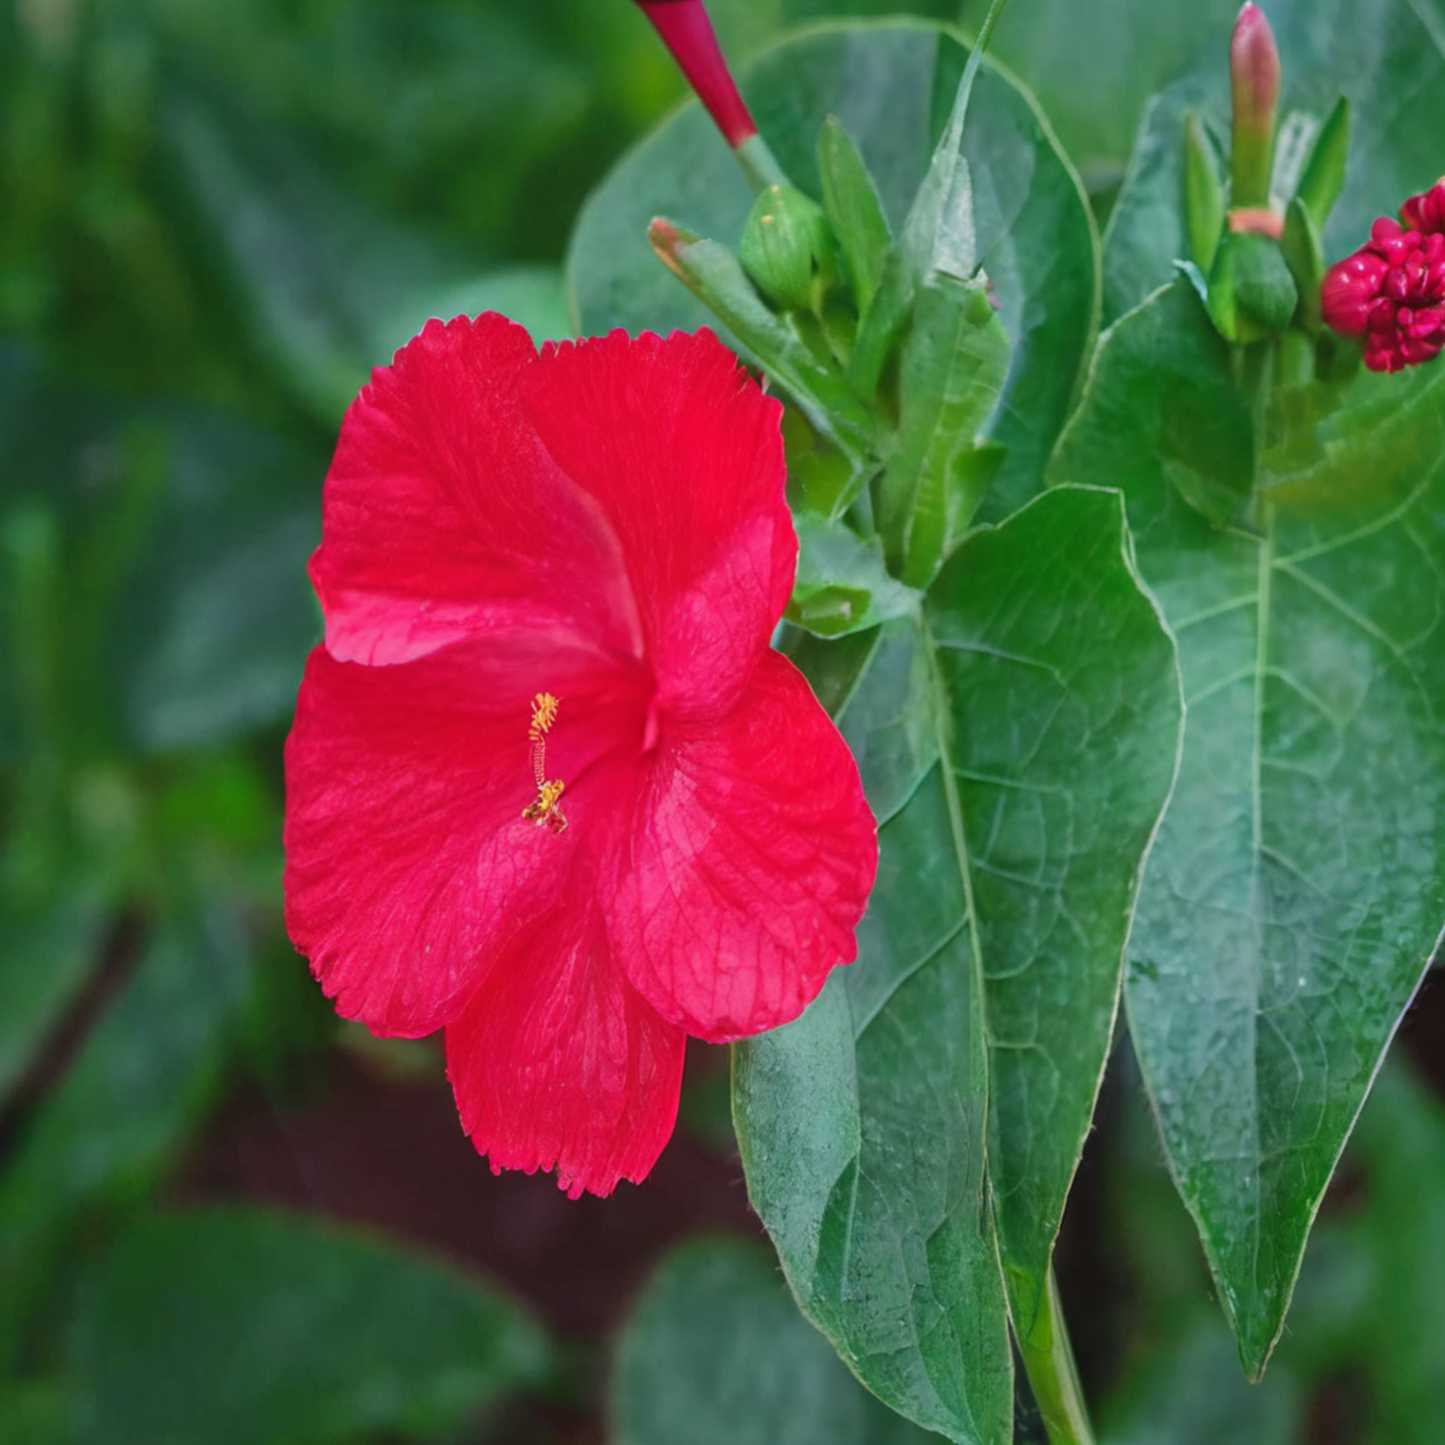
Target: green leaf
{"x":1191,"y":1393}
{"x":1398,"y":1327}
{"x":717,"y":1353}
{"x":852,"y":203}
{"x":1323,"y":177}
{"x":842,"y":585}
{"x":939,"y":238}
{"x":924,"y":1117}
{"x":1203,"y":195}
{"x":1304,"y":254}
{"x":891,"y":85}
{"x":35,"y":1412}
{"x":156,"y":553}
{"x":1297,"y":887}
{"x":141,"y":1079}
{"x":713,"y":274}
{"x":533,"y":296}
{"x":329,"y":286}
{"x":1386,"y":59}
{"x":1095,"y":68}
{"x":245,"y":1327}
{"x":48,"y":946}
{"x":951,"y":373}
{"x":210,"y":633}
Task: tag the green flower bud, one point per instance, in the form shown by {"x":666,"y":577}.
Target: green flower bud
{"x":787,"y":248}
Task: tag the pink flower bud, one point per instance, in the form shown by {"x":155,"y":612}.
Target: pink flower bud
{"x":1426,"y":212}
{"x":687,"y":32}
{"x":1254,"y":77}
{"x":1391,"y":293}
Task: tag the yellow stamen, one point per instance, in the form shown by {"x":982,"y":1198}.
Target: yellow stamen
{"x":545,"y":807}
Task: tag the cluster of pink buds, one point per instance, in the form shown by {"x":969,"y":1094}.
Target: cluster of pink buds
{"x":1391,"y":292}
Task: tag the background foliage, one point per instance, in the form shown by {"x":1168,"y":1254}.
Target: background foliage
{"x":217,"y":219}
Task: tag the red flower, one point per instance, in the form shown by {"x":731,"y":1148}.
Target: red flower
{"x":1426,"y":212}
{"x":1391,"y":293}
{"x":549,"y":788}
{"x":687,"y":32}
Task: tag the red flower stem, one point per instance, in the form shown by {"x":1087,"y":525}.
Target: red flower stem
{"x":687,"y":32}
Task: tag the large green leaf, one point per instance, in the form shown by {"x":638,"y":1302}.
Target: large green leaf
{"x":717,"y":1353}
{"x":1096,"y":67}
{"x":1297,"y":887}
{"x":909,"y":1142}
{"x":243,"y":1327}
{"x":1387,"y":57}
{"x":891,"y":86}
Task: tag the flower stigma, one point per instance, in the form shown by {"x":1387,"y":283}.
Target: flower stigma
{"x":545,"y":808}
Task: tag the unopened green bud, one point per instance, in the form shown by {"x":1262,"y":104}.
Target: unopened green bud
{"x":787,"y":248}
{"x":1251,"y":292}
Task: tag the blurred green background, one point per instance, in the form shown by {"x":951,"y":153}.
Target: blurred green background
{"x":224,"y":1216}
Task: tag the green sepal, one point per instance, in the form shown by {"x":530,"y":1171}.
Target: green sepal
{"x":787,"y":249}
{"x":1251,"y":292}
{"x":1203,"y":195}
{"x":951,"y":371}
{"x":938,"y":237}
{"x":1304,"y":254}
{"x":842,"y":585}
{"x":851,"y":202}
{"x":716,"y":277}
{"x":1324,"y":172}
{"x":821,"y":479}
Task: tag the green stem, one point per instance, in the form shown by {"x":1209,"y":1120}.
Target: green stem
{"x":1049,"y":1360}
{"x":759,"y":164}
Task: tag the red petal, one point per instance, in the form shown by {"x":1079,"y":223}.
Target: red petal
{"x":407,"y":860}
{"x":558,"y":1063}
{"x":444,"y":517}
{"x":752,"y":854}
{"x":684,"y":454}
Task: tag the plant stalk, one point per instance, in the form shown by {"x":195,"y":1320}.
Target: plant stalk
{"x":1049,"y":1362}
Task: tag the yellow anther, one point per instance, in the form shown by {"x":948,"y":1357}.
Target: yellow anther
{"x":544,"y":714}
{"x":545,"y":807}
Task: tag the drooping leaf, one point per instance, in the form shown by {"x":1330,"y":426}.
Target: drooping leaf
{"x":921,"y":1123}
{"x":245,"y":1327}
{"x":892,"y":87}
{"x":717,"y":1353}
{"x":1297,"y":887}
{"x":1387,"y":59}
{"x":842,"y":585}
